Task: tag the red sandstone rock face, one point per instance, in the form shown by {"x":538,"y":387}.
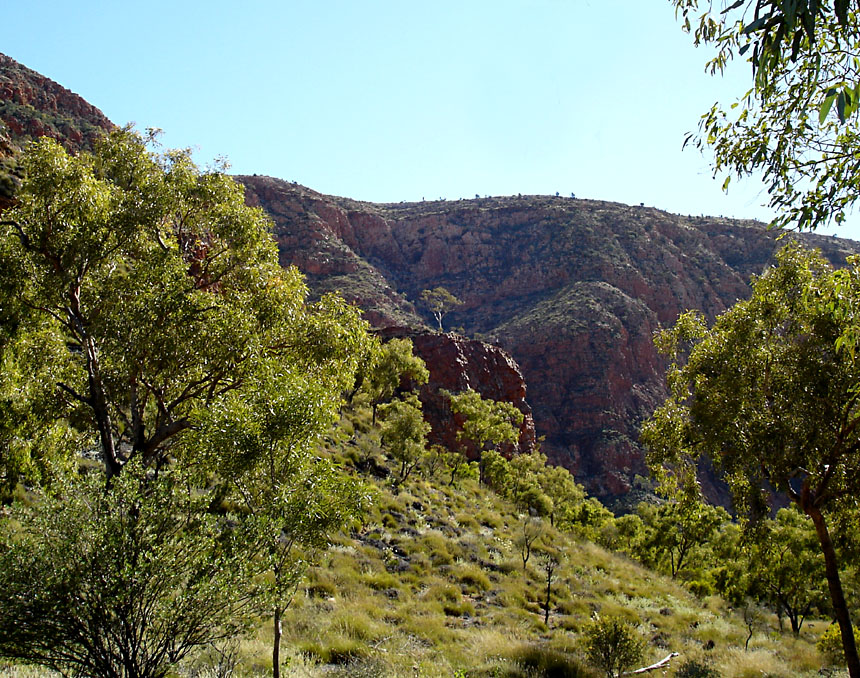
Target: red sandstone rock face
{"x":456,"y":364}
{"x":572,"y":289}
{"x":32,"y":105}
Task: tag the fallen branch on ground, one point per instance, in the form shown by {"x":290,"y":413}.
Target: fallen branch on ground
{"x":659,"y":665}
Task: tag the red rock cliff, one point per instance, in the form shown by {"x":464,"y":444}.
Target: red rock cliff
{"x":32,"y":105}
{"x":456,"y":364}
{"x":572,"y":289}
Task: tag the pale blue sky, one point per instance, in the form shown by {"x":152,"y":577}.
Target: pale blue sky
{"x":398,"y":100}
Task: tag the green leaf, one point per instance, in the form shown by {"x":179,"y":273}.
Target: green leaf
{"x":756,"y":25}
{"x":826,"y":105}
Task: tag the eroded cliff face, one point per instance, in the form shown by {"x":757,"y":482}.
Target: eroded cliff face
{"x":457,"y":363}
{"x":572,"y":289}
{"x":32,"y":105}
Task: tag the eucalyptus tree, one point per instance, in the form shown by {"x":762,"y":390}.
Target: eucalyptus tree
{"x":146,"y":321}
{"x":155,"y":290}
{"x":404,"y":431}
{"x":484,"y":422}
{"x":769,"y":394}
{"x":440,"y":302}
{"x":786,"y":567}
{"x":263,"y":447}
{"x":681,"y":528}
{"x":797,"y":124}
{"x":390,"y":365}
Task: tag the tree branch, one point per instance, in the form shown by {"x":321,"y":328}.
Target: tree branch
{"x":77,"y":396}
{"x":659,"y":665}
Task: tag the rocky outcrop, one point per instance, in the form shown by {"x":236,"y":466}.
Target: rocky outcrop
{"x":572,"y":289}
{"x":456,"y":364}
{"x":32,"y":105}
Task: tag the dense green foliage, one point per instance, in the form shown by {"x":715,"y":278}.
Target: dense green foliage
{"x":769,"y":397}
{"x":123,"y":583}
{"x":613,"y":645}
{"x":786,"y":567}
{"x":147,"y":324}
{"x":157,"y":293}
{"x":484,"y":423}
{"x":405,"y":431}
{"x":387,"y":366}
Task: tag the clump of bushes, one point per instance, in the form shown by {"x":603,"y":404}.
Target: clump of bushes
{"x":830,"y":645}
{"x":613,"y":645}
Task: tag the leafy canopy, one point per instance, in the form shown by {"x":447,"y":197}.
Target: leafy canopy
{"x":485,"y":421}
{"x":155,"y":292}
{"x":440,"y":302}
{"x":613,"y":645}
{"x":798,"y":124}
{"x":405,"y":432}
{"x":770,"y":395}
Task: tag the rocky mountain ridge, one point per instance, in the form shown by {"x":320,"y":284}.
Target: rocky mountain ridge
{"x":572,"y":289}
{"x":32,"y":105}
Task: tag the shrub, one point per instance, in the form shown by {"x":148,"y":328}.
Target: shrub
{"x":613,"y":645}
{"x":436,"y":546}
{"x":830,"y":645}
{"x":700,"y":588}
{"x":474,"y":580}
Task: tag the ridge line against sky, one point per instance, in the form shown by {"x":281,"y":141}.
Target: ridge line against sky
{"x":390,"y":101}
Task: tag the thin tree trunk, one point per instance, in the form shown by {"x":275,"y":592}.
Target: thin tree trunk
{"x":548,"y":595}
{"x":101,"y":412}
{"x":837,"y":596}
{"x":97,"y":399}
{"x":276,"y":644}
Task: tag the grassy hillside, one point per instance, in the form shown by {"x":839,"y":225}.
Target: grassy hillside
{"x":432,"y":583}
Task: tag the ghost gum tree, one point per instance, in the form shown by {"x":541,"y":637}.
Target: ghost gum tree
{"x":770,"y":394}
{"x":142,"y":307}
